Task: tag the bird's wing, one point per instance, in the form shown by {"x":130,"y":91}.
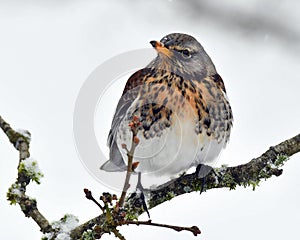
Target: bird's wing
{"x":217,"y":113}
{"x":130,"y":93}
{"x":219,"y":82}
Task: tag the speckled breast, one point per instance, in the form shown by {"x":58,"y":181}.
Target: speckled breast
{"x":183,"y":123}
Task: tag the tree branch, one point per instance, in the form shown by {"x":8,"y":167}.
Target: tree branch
{"x":17,"y":192}
{"x":250,"y":174}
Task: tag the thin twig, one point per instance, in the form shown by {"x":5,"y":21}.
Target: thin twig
{"x":134,"y":124}
{"x":89,"y":196}
{"x":194,"y":229}
{"x":127,"y":179}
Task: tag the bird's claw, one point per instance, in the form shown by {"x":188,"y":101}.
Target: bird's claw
{"x":201,"y":173}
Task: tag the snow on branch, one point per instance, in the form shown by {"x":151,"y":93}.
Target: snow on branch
{"x":28,"y":170}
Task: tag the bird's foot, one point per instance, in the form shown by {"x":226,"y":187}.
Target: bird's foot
{"x":139,"y":195}
{"x":201,"y":172}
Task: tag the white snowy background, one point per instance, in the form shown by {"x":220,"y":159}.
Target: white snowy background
{"x":48,"y":49}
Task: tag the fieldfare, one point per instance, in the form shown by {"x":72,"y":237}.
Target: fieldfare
{"x":184,"y":113}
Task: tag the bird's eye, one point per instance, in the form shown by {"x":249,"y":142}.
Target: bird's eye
{"x":186,"y":53}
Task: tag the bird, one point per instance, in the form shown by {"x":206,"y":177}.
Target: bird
{"x":182,"y":106}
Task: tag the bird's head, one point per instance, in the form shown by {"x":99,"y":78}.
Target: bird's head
{"x":183,"y":55}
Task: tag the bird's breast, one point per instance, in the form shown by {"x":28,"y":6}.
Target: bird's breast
{"x":183,"y":123}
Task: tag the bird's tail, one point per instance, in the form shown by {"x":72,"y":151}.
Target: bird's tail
{"x":115,"y":162}
{"x":111,"y":166}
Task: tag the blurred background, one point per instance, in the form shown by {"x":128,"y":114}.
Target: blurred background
{"x":48,"y":49}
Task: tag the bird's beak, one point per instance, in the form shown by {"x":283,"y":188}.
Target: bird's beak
{"x":160,"y":48}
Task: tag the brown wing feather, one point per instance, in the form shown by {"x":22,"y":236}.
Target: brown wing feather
{"x":219,"y":82}
{"x":131,"y":90}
